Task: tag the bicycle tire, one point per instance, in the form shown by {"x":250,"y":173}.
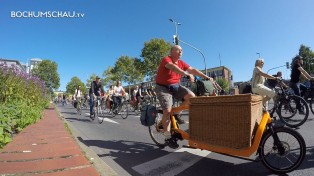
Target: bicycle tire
{"x":100,"y":118}
{"x":292,"y":156}
{"x":124,"y":111}
{"x":295,"y":119}
{"x":156,"y":130}
{"x":311,"y":104}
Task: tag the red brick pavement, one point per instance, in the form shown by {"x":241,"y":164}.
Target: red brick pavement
{"x":45,"y":148}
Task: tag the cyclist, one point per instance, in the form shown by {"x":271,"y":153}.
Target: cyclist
{"x":134,"y":93}
{"x":94,"y":91}
{"x":296,"y":72}
{"x":77,"y":96}
{"x":109,"y":97}
{"x":118,"y":92}
{"x":169,"y":73}
{"x":217,"y":86}
{"x":151,"y":92}
{"x":140,"y":94}
{"x":258,"y":80}
{"x":63,"y":99}
{"x":271,"y":83}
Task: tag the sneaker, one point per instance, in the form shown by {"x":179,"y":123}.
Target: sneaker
{"x":178,"y":119}
{"x":91,"y":116}
{"x":171,"y":143}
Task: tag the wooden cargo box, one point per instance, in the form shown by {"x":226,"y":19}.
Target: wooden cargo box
{"x":226,"y":121}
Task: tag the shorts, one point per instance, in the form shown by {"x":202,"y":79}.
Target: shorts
{"x":165,"y":95}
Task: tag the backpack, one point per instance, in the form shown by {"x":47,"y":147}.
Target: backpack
{"x":247,"y":89}
{"x":148,"y":115}
{"x":75,"y":104}
{"x":202,"y":87}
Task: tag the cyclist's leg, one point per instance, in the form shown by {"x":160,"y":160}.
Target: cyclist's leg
{"x":266,"y":92}
{"x":139,"y":100}
{"x":91,"y":103}
{"x":183,"y":94}
{"x":114,"y":98}
{"x":165,"y":98}
{"x":119,"y":102}
{"x":296,"y":89}
{"x":78,"y":100}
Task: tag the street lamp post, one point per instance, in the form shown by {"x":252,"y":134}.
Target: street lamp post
{"x":176,"y":28}
{"x":219,"y":60}
{"x":176,"y":38}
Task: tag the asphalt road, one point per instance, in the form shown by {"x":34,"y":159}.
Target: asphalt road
{"x":126,"y":147}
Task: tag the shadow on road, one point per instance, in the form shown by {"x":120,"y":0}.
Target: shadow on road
{"x":128,"y":154}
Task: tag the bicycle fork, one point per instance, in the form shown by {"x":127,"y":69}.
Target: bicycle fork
{"x":277,"y":143}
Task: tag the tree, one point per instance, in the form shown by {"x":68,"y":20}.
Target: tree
{"x":47,"y":72}
{"x":308,"y":57}
{"x":152,"y":54}
{"x":90,"y":80}
{"x":73,"y":84}
{"x":128,"y":70}
{"x":109,"y":77}
{"x":224,"y":84}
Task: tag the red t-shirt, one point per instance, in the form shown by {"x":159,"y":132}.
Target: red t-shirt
{"x":165,"y":76}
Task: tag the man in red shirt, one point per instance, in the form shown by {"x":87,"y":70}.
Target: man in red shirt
{"x":169,"y":73}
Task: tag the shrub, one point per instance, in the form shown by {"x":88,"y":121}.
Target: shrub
{"x":22,"y":99}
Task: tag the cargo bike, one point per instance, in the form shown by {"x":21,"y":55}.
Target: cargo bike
{"x":236,"y":126}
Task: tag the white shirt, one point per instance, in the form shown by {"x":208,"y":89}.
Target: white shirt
{"x":117,"y":91}
{"x":77,"y":93}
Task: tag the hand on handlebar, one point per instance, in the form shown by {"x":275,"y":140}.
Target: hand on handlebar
{"x":190,"y":77}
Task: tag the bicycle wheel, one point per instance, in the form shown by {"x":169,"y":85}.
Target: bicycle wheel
{"x":100,"y":115}
{"x":312,"y":104}
{"x":156,"y":130}
{"x":124,"y":111}
{"x":287,"y":111}
{"x":285,"y":157}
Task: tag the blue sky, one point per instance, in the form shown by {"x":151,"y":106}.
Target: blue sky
{"x":236,"y":30}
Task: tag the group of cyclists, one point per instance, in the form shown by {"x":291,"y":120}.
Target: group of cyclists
{"x":113,"y":98}
{"x":168,"y":87}
{"x":260,"y":87}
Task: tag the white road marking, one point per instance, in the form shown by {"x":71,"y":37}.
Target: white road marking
{"x":105,"y":119}
{"x":109,"y":120}
{"x":173,"y":163}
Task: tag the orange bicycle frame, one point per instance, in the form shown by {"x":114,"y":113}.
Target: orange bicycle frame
{"x":246,"y":152}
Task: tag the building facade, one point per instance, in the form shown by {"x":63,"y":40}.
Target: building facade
{"x":13,"y":63}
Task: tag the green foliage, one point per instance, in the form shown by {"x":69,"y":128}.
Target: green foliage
{"x":130,"y":70}
{"x":224,"y":84}
{"x":90,"y":80}
{"x":47,"y":72}
{"x":22,"y":99}
{"x":109,"y":77}
{"x":73,"y":84}
{"x":308,"y":58}
{"x":152,"y":53}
